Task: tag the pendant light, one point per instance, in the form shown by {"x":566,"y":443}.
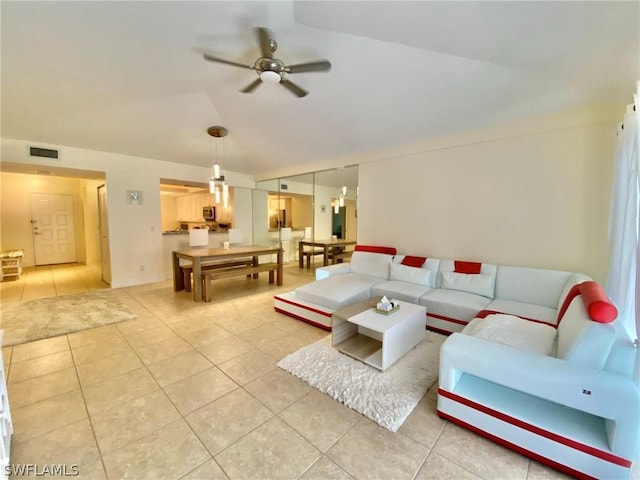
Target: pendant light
{"x":217,"y":184}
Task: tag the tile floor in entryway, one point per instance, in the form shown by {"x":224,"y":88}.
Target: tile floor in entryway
{"x":191,"y":391}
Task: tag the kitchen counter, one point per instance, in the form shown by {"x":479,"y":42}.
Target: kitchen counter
{"x":186,"y":232}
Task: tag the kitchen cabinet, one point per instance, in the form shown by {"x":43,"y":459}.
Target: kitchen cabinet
{"x":189,"y":207}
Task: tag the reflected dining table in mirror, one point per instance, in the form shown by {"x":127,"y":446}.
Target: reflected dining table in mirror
{"x":225,"y":260}
{"x":326,"y":247}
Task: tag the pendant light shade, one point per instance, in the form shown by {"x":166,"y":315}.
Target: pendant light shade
{"x":225,"y":195}
{"x":217,"y":185}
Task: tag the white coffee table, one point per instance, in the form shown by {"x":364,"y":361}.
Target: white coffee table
{"x":376,"y":339}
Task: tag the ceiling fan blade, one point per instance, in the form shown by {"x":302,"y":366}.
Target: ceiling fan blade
{"x":318,"y":66}
{"x":211,"y":58}
{"x":252,"y":86}
{"x":266,"y":42}
{"x":292,"y":87}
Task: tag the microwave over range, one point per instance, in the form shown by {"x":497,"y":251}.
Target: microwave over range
{"x":209,"y":213}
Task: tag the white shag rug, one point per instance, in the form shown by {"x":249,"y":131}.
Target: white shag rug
{"x":386,"y":397}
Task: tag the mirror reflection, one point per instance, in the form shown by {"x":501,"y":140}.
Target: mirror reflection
{"x":313,"y":216}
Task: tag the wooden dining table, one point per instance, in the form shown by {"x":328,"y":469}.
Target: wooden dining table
{"x":327,"y":246}
{"x":200,"y":256}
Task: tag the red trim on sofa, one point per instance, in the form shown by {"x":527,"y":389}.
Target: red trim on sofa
{"x":485,"y":313}
{"x":413,"y":261}
{"x":467,"y":267}
{"x":517,"y":448}
{"x":573,"y":293}
{"x":589,"y":450}
{"x":311,"y":309}
{"x":446,"y":319}
{"x":439,"y":330}
{"x":374,"y":249}
{"x":597,"y":302}
{"x":298,"y":317}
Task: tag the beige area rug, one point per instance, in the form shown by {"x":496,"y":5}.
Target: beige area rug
{"x":386,"y":397}
{"x":49,"y":317}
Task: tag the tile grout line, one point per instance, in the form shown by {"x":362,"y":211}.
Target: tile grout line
{"x":86,"y":407}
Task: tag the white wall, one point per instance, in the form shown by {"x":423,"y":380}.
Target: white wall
{"x":534,"y":195}
{"x":243,"y":213}
{"x":135,"y":231}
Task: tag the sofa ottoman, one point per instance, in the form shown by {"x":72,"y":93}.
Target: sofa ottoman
{"x":348,"y":283}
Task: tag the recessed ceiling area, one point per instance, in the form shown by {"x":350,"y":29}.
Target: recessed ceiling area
{"x":130,"y":78}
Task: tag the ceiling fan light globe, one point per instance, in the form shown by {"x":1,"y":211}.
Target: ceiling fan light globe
{"x":270,"y":77}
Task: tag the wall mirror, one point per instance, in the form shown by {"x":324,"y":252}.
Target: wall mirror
{"x":311,"y":206}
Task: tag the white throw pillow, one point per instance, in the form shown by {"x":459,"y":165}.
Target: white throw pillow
{"x":478,"y":284}
{"x":404,"y":273}
{"x":369,"y":263}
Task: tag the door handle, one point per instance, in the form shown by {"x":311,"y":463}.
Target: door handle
{"x":37,"y":233}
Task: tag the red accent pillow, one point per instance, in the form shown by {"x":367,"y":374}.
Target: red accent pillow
{"x":597,"y":303}
{"x":467,"y":267}
{"x":413,"y":261}
{"x":374,"y":249}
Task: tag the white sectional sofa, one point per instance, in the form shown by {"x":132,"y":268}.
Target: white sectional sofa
{"x":532,"y":361}
{"x":453,"y":291}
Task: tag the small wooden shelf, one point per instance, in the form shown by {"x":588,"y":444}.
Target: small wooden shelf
{"x":363,"y":348}
{"x":10,"y":267}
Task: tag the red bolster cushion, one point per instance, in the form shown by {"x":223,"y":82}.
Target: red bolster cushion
{"x":597,"y":303}
{"x":413,"y":261}
{"x":471,"y":268}
{"x":374,"y":249}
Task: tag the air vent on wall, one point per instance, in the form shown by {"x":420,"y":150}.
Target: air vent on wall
{"x":43,"y":152}
{"x":284,"y":186}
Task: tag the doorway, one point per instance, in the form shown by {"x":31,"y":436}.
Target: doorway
{"x":53,"y":229}
{"x":103,"y":226}
{"x":338,"y":223}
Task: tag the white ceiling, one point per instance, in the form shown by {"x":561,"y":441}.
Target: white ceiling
{"x":125,"y":76}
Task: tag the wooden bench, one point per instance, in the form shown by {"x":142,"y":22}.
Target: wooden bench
{"x":187,"y":270}
{"x":338,"y":257}
{"x":308,"y":254}
{"x":216,"y":274}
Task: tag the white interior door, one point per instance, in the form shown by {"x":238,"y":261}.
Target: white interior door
{"x":54,"y":229}
{"x":105,"y":255}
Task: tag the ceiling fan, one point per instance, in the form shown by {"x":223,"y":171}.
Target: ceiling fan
{"x":271,"y":69}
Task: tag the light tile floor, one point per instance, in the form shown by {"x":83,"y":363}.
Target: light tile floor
{"x":191,"y":391}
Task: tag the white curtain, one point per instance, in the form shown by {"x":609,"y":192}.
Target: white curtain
{"x":623,"y":278}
